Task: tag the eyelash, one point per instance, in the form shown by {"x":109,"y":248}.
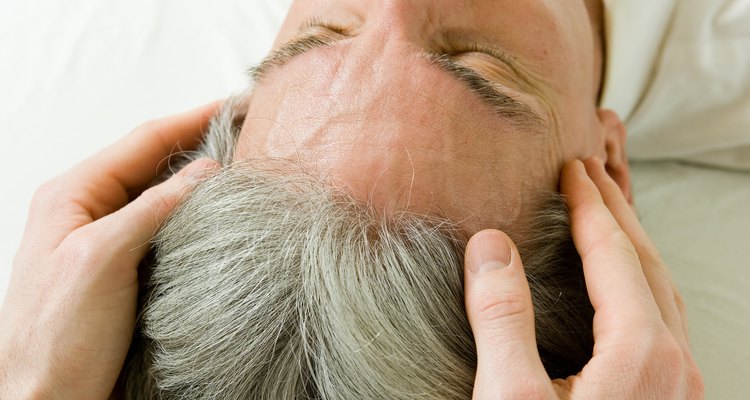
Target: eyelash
{"x":495,"y":53}
{"x":319,"y":23}
{"x":504,"y":57}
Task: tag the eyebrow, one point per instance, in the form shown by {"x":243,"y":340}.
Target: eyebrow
{"x":490,"y":93}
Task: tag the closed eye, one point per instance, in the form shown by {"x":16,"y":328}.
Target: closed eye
{"x":315,"y":34}
{"x":333,"y":27}
{"x":497,"y":54}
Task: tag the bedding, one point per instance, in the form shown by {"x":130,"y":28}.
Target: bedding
{"x":679,"y":75}
{"x":77,"y":75}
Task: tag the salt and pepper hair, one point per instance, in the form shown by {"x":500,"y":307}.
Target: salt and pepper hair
{"x":268,"y":283}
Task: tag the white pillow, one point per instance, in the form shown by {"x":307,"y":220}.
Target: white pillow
{"x":679,"y":75}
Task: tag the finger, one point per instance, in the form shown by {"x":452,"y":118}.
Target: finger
{"x":617,"y":287}
{"x":100,"y":184}
{"x":654,"y":270}
{"x":135,"y":160}
{"x":682,"y":308}
{"x":128,"y":231}
{"x":498,"y":304}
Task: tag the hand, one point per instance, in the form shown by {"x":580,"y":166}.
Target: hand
{"x":69,"y":313}
{"x":640,"y":328}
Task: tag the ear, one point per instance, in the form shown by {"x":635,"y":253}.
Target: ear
{"x":616,"y":158}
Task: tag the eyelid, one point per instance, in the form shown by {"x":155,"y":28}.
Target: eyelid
{"x":502,"y":56}
{"x":333,"y":27}
{"x":492,"y":52}
{"x":288,"y":51}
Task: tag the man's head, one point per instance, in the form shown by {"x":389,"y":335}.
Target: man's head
{"x":270,"y":282}
{"x":325,"y":260}
{"x":465,"y":109}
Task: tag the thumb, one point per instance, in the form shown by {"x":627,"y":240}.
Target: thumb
{"x":131,"y":228}
{"x":498,"y":304}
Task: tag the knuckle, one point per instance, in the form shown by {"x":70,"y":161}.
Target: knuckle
{"x":154,"y":128}
{"x":666,"y":363}
{"x":585,"y":203}
{"x":531,"y":390}
{"x":148,"y":126}
{"x":78,"y":251}
{"x":645,"y":348}
{"x":46,"y":192}
{"x":696,"y":385}
{"x":620,"y":239}
{"x":679,"y":301}
{"x":676,"y":376}
{"x":650,"y":256}
{"x":626,"y":363}
{"x":494,"y":306}
{"x":655,"y":357}
{"x":616,"y":242}
{"x":156,"y":202}
{"x":661,"y":350}
{"x":671,"y":351}
{"x":52,"y":198}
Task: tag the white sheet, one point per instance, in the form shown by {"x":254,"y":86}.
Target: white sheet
{"x":699,"y":219}
{"x":77,"y":75}
{"x":680,"y":77}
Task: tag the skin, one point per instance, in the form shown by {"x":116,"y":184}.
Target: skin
{"x":641,"y":346}
{"x":69,"y":313}
{"x":376,"y":119}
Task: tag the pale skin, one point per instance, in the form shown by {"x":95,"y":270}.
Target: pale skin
{"x":69,"y":313}
{"x":641,"y":348}
{"x":372,"y":115}
{"x":72,"y":297}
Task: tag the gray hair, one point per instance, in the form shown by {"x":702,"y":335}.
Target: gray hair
{"x":269,"y":283}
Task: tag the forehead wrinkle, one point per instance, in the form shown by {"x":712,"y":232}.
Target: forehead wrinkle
{"x":508,"y":108}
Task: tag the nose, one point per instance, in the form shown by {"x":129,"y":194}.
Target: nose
{"x":401,"y":18}
{"x":393,"y":33}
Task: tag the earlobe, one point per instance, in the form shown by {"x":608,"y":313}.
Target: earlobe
{"x":616,"y":162}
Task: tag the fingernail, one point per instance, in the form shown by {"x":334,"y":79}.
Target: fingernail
{"x":490,"y":251}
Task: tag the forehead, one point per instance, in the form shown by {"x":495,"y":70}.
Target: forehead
{"x":369,"y":111}
{"x":349,"y":72}
{"x":507,"y":22}
{"x":552,"y":40}
{"x":358,"y":121}
{"x":328,"y":90}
